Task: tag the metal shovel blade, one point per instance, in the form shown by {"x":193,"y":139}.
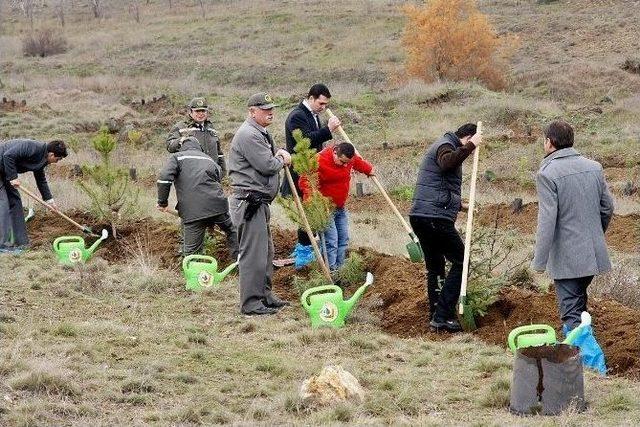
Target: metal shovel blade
{"x":415,"y":252}
{"x":30,"y":214}
{"x":467,"y":321}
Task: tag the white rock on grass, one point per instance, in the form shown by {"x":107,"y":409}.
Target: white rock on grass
{"x":333,"y":385}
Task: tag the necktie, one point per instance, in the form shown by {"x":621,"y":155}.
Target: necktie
{"x":317,"y":121}
{"x":270,"y":141}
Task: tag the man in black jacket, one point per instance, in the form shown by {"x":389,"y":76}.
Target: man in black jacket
{"x":306,"y":118}
{"x":201,"y":201}
{"x":436,"y":203}
{"x":20,"y":156}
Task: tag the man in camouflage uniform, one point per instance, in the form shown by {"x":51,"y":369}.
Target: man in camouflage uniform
{"x":199,"y":126}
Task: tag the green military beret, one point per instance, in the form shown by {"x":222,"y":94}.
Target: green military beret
{"x":198,"y":104}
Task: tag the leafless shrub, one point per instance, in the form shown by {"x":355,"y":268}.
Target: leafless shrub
{"x":45,"y":42}
{"x":632,"y":65}
{"x":621,"y":284}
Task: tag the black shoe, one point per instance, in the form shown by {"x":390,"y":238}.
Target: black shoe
{"x":448,"y":325}
{"x":278,"y":303}
{"x":261,"y":311}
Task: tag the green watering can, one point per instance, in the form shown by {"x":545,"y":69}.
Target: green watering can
{"x":201,"y":272}
{"x":531,"y":336}
{"x":325,"y":304}
{"x":71,"y":249}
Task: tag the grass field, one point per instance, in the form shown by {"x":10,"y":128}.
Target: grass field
{"x":122,"y":343}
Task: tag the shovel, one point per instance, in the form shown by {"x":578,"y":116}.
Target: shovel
{"x":413,"y":248}
{"x":84,"y":228}
{"x":307,"y":227}
{"x":466,"y":315}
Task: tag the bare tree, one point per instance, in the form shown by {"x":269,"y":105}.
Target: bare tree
{"x":27,"y":7}
{"x":202,"y":9}
{"x":96,"y":8}
{"x":59,"y":11}
{"x":134,"y":9}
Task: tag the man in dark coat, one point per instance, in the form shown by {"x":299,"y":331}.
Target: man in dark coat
{"x":201,"y":201}
{"x":436,"y":203}
{"x":19,"y":156}
{"x":306,"y":117}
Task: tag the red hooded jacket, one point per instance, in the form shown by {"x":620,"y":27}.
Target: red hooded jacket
{"x":334,"y":180}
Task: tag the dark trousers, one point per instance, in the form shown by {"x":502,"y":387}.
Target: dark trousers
{"x":256,"y":255}
{"x":571,"y":295}
{"x":440,"y":242}
{"x":13,"y":230}
{"x":193,"y":234}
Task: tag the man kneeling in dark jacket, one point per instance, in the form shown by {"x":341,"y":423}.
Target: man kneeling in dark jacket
{"x":201,"y":201}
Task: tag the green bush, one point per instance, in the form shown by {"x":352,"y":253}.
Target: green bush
{"x":404,"y":192}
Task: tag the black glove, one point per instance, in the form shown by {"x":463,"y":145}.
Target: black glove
{"x":254,"y":201}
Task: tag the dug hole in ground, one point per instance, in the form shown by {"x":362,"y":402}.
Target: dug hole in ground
{"x":397,"y":299}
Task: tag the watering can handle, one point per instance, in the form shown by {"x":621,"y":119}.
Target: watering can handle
{"x":514,"y":334}
{"x":56,"y":243}
{"x":196,"y":257}
{"x":316,"y":290}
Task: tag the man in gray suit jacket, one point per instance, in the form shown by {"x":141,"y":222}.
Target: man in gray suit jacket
{"x":254,"y":167}
{"x":574,"y":210}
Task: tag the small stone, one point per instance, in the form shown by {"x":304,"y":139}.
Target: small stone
{"x":333,"y":385}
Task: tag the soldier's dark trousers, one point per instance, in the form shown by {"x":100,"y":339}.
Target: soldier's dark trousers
{"x":440,"y":242}
{"x":194,"y":231}
{"x":571,"y":295}
{"x":256,"y":255}
{"x":11,"y":217}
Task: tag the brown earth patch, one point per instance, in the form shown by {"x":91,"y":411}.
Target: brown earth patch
{"x":398,"y":293}
{"x":623,"y":233}
{"x":376,"y":203}
{"x":13,"y":106}
{"x":400,"y":285}
{"x":146,"y":236}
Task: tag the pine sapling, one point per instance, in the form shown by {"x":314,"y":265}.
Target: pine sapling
{"x":317,"y":208}
{"x":107,"y":185}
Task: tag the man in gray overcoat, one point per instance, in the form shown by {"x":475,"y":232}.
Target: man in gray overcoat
{"x":574,"y":210}
{"x":254,"y":167}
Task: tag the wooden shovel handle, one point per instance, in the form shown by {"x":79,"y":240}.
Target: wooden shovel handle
{"x":48,"y":206}
{"x":307,"y":227}
{"x":376,"y":182}
{"x":469,"y":229}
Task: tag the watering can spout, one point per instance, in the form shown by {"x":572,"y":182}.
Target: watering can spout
{"x":103,"y":236}
{"x":221,"y":275}
{"x":351,"y":302}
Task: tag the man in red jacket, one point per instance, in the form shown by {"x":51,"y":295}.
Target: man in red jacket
{"x":334,"y":176}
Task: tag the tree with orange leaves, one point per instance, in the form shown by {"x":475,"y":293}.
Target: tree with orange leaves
{"x":452,"y":40}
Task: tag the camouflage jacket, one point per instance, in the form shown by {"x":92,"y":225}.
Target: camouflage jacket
{"x":206,"y":135}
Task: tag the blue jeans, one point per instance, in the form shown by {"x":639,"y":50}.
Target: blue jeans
{"x":336,"y":238}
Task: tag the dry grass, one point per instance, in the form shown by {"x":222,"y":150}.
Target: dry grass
{"x":126,"y":355}
{"x":126,"y":345}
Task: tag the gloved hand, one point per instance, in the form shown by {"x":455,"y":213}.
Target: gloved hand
{"x":254,"y":201}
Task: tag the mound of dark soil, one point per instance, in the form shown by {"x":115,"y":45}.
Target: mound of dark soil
{"x":398,"y":291}
{"x":144,"y":237}
{"x":400,"y":284}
